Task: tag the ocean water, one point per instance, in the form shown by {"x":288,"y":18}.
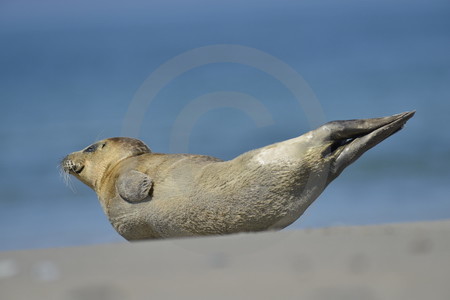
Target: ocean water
{"x":219,"y":79}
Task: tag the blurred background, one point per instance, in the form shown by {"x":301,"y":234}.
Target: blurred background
{"x":69,"y":72}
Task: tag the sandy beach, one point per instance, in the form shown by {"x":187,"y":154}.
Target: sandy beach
{"x":398,"y":261}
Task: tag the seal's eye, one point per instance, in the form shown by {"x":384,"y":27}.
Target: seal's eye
{"x":91,"y":148}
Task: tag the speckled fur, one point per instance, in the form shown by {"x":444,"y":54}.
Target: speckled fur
{"x":267,"y":188}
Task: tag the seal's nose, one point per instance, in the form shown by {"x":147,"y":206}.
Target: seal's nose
{"x":69,"y":166}
{"x":64,"y":164}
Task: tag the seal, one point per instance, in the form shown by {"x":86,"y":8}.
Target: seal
{"x":150,"y":195}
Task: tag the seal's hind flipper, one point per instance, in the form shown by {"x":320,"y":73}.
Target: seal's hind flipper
{"x":134,"y":186}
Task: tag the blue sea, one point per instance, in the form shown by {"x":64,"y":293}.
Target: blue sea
{"x":219,"y":78}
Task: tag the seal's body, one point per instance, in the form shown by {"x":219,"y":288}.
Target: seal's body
{"x":150,"y":195}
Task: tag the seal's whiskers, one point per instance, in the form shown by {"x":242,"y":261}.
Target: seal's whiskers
{"x":66,"y":177}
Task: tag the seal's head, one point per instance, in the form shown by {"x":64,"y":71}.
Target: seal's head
{"x":91,"y":163}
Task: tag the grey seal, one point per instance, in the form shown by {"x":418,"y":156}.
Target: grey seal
{"x":150,"y":195}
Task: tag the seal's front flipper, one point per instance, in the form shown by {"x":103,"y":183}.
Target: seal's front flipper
{"x":134,"y":186}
